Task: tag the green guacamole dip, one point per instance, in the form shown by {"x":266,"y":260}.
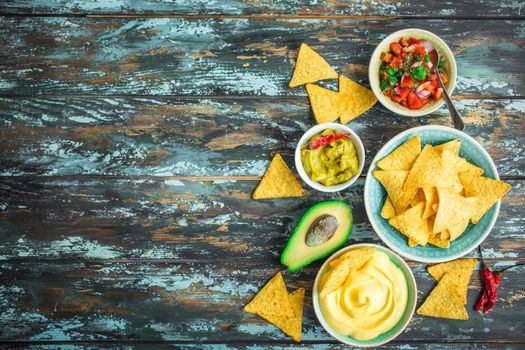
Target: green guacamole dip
{"x":333,"y":163}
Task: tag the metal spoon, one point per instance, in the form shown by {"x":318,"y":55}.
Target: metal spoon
{"x":456,"y":118}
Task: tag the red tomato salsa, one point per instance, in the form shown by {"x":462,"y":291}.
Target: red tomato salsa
{"x":407,"y":75}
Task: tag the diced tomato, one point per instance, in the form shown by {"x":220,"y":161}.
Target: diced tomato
{"x":413,"y":101}
{"x":396,"y":62}
{"x":443,"y":78}
{"x":427,"y":85}
{"x":436,"y":95}
{"x":406,"y":82}
{"x":433,"y":76}
{"x":387,"y":57}
{"x":403,"y":42}
{"x":396,"y":98}
{"x":434,"y":84}
{"x":388,"y":92}
{"x":404,"y":102}
{"x":396,"y":48}
{"x":404,"y":94}
{"x":421,"y":51}
{"x":413,"y":41}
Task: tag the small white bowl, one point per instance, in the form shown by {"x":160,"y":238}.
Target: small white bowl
{"x":394,"y":331}
{"x":360,"y":151}
{"x":449,"y":65}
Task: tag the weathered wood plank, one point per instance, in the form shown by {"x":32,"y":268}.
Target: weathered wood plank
{"x":462,"y":8}
{"x":187,"y":220}
{"x":217,"y":137}
{"x":181,"y":301}
{"x":177,"y":56}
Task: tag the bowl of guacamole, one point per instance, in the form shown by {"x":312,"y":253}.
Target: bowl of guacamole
{"x":329,"y":157}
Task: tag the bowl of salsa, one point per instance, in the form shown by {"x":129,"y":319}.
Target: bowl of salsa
{"x":402,"y":75}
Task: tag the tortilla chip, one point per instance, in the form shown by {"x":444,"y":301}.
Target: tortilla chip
{"x":459,"y":164}
{"x":272,"y":303}
{"x":443,"y":302}
{"x":403,"y":157}
{"x":356,"y":99}
{"x":293,"y":325}
{"x":457,"y":229}
{"x":431,"y":198}
{"x":278,"y":182}
{"x":453,"y":146}
{"x":388,"y":210}
{"x":428,"y":171}
{"x":412,"y":225}
{"x":453,"y":209}
{"x":489,"y":191}
{"x":412,"y":242}
{"x":445,"y":234}
{"x":353,"y":260}
{"x":438,"y":241}
{"x":419,"y":197}
{"x":310,"y":67}
{"x":461,"y":271}
{"x":326,"y":104}
{"x":392,"y":181}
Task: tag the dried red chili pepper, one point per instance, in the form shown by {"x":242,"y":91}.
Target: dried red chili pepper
{"x":491,"y":281}
{"x":325,"y":140}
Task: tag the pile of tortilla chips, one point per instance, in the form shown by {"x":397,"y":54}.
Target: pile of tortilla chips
{"x":346,"y":104}
{"x":433,"y":193}
{"x":342,"y":266}
{"x":449,"y":297}
{"x":278,"y":182}
{"x":275,"y":305}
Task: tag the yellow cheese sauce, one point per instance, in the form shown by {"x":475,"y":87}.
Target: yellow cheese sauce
{"x":370,"y":302}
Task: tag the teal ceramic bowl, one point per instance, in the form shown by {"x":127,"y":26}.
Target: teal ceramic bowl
{"x":394,"y":331}
{"x":375,"y":195}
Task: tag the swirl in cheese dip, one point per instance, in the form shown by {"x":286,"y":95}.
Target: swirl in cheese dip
{"x":370,"y":302}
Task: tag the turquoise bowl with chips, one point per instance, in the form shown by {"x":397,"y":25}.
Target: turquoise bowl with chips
{"x":375,"y":196}
{"x":393,"y":332}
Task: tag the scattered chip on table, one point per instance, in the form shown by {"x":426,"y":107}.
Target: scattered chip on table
{"x":443,"y":301}
{"x":278,"y":182}
{"x":327,"y":105}
{"x":356,"y":99}
{"x":460,"y":269}
{"x":310,"y":67}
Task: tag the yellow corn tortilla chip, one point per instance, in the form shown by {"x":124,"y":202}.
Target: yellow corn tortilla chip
{"x":431,"y":198}
{"x":412,"y":242}
{"x":488,"y":190}
{"x":412,"y":225}
{"x":353,"y":260}
{"x":459,"y":164}
{"x":356,"y":99}
{"x":278,"y":182}
{"x":272,"y":304}
{"x":453,"y":146}
{"x":443,"y":302}
{"x":428,"y":171}
{"x":310,"y":67}
{"x":293,"y":325}
{"x":388,"y":210}
{"x":419,"y":197}
{"x":457,"y":229}
{"x":326,"y":104}
{"x":438,"y":241}
{"x":403,"y":157}
{"x":392,"y":181}
{"x":453,"y":209}
{"x":460,"y":269}
{"x":445,"y":234}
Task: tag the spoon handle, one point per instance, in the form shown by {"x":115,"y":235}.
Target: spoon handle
{"x":456,"y":118}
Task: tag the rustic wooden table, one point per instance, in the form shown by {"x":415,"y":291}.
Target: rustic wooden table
{"x":132,"y":136}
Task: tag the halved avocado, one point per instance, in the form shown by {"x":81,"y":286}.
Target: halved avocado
{"x":324,"y":228}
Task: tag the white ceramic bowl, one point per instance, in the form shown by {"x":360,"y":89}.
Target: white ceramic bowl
{"x":317,"y":129}
{"x":394,"y":331}
{"x":449,"y":65}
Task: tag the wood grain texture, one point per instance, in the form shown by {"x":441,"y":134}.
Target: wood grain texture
{"x":179,"y":301}
{"x":210,"y":137}
{"x":177,"y":56}
{"x":413,"y":8}
{"x":187,"y":220}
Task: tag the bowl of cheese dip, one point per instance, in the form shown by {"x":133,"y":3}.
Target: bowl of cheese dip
{"x":373,"y":305}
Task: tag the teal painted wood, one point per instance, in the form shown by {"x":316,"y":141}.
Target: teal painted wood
{"x":269,"y":7}
{"x":202,"y":301}
{"x":177,"y":56}
{"x":209,"y":137}
{"x":188,"y":220}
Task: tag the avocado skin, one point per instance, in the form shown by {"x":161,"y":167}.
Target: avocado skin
{"x":292,"y":256}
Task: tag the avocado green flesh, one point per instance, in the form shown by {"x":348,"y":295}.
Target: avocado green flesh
{"x":297,"y":254}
